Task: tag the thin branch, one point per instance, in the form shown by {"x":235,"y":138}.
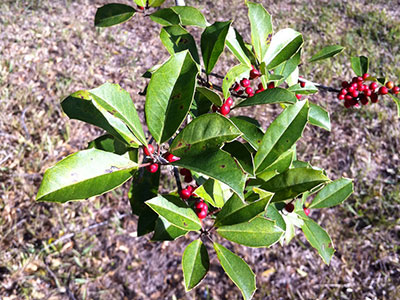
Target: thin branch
{"x":320,"y":86}
{"x":178,"y":179}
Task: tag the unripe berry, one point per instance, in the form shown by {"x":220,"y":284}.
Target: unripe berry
{"x":249,"y":90}
{"x":289,"y":207}
{"x":254,"y":73}
{"x":245,"y":82}
{"x":306,"y":211}
{"x":396,"y":90}
{"x":185,"y":172}
{"x":202,"y":214}
{"x":229,"y":101}
{"x":389,"y":85}
{"x":171,"y":158}
{"x":236,"y":87}
{"x":374,"y":98}
{"x":373,"y":86}
{"x":149,"y":150}
{"x":185,"y":194}
{"x":225,"y":109}
{"x":271,"y":85}
{"x":152,"y":168}
{"x":365,"y":76}
{"x":383,"y":90}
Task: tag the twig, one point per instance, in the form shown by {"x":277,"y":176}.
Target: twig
{"x":214,"y":74}
{"x":320,"y":86}
{"x":178,"y":180}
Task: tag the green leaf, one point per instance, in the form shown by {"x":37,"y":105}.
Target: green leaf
{"x":269,"y":96}
{"x":118,"y":103}
{"x":333,"y":193}
{"x":195,"y":264}
{"x":108,"y":143}
{"x":165,"y":17}
{"x":147,"y":221}
{"x":242,"y":155}
{"x":175,"y":211}
{"x":190,"y":16}
{"x":319,"y":117}
{"x":81,"y":106}
{"x":259,"y":232}
{"x":273,"y":214}
{"x":214,"y":192}
{"x":141,"y":2}
{"x":261,"y":29}
{"x":235,"y":74}
{"x":281,"y":164}
{"x":201,"y":105}
{"x":210,"y":95}
{"x":360,"y":65}
{"x":113,"y":14}
{"x":319,"y":239}
{"x":281,"y":135}
{"x":293,"y":182}
{"x":235,"y":211}
{"x":213,"y":43}
{"x":218,"y":165}
{"x":166,"y":231}
{"x":309,"y":88}
{"x":293,"y":78}
{"x":252,"y":132}
{"x":166,"y":110}
{"x":291,"y":220}
{"x":83,"y":175}
{"x":327,"y":52}
{"x":237,"y":270}
{"x":287,"y":68}
{"x":285,"y":43}
{"x":155,"y":3}
{"x":397,"y":101}
{"x":235,"y":44}
{"x":205,"y":133}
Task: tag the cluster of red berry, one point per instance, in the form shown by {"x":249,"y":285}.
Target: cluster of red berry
{"x":201,"y":209}
{"x":355,"y":92}
{"x":149,"y":150}
{"x":225,"y":107}
{"x":200,"y":206}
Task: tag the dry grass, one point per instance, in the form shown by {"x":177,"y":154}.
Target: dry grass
{"x":49,"y":49}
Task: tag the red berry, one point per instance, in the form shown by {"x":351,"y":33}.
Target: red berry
{"x":229,"y":101}
{"x":245,"y":82}
{"x":225,"y":109}
{"x":149,"y":150}
{"x":289,"y":207}
{"x":190,"y":188}
{"x":306,"y":211}
{"x":185,"y":172}
{"x":260,"y":86}
{"x":368,"y":92}
{"x":354,"y":80}
{"x":359,"y":79}
{"x":185,"y":194}
{"x":302,"y":84}
{"x":240,"y":92}
{"x":214,"y":108}
{"x":343,"y":91}
{"x":360,"y":87}
{"x":363,"y":99}
{"x":365,"y":76}
{"x":355,"y":94}
{"x":351,"y":89}
{"x":347,"y":103}
{"x":374,"y":98}
{"x":236,"y":87}
{"x":298,"y":96}
{"x":249,"y":91}
{"x":200,"y":205}
{"x":152,"y":168}
{"x":271,"y":85}
{"x":140,"y":7}
{"x":348,"y":97}
{"x":373,"y":86}
{"x":345,"y":84}
{"x":250,"y":95}
{"x":254,"y":73}
{"x":188,"y":178}
{"x":383,"y":90}
{"x":171,"y":158}
{"x":396,"y":90}
{"x":202,"y":214}
{"x":259,"y":91}
{"x":341,"y":96}
{"x":389,"y":85}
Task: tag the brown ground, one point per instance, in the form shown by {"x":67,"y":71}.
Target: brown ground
{"x":49,"y":49}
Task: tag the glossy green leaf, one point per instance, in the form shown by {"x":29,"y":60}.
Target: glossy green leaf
{"x":281,"y":164}
{"x":165,"y":17}
{"x":118,"y":103}
{"x":292,"y":220}
{"x":110,"y":144}
{"x":235,"y":44}
{"x":261,"y":29}
{"x":269,"y":96}
{"x":155,"y":3}
{"x":281,"y":135}
{"x":166,"y":231}
{"x":210,"y":95}
{"x":242,"y":155}
{"x":113,"y":14}
{"x":360,"y":65}
{"x":293,"y":78}
{"x":205,"y":133}
{"x":177,"y":39}
{"x":259,"y":232}
{"x":333,"y":193}
{"x":397,"y":101}
{"x":273,"y":214}
{"x":175,"y":211}
{"x":213,"y":43}
{"x":190,"y":16}
{"x":319,"y":117}
{"x":285,"y":43}
{"x":201,"y":105}
{"x":214,"y":192}
{"x":147,"y":221}
{"x":237,"y":270}
{"x":319,"y":239}
{"x":84,"y":174}
{"x":327,"y":52}
{"x":235,"y":74}
{"x":81,"y":106}
{"x":235,"y":211}
{"x":195,"y":264}
{"x":218,"y":165}
{"x":293,"y":182}
{"x":166,"y":110}
{"x":252,"y":132}
{"x":309,"y":88}
{"x":287,"y":68}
